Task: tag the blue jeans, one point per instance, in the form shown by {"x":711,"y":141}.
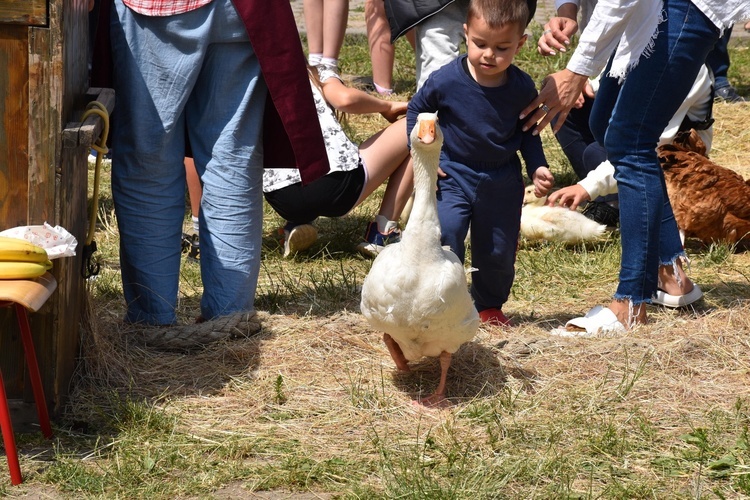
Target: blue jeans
{"x":580,"y":146}
{"x":718,"y":61}
{"x":575,"y":136}
{"x":194,"y":72}
{"x":629,"y":119}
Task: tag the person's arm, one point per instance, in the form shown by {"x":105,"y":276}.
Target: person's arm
{"x":424,"y":101}
{"x":560,"y":91}
{"x":354,"y":101}
{"x":598,"y":182}
{"x":559,"y":29}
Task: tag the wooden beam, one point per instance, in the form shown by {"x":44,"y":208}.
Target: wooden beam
{"x":25,"y":12}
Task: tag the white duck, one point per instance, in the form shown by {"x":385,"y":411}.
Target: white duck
{"x":541,"y":222}
{"x":416,"y":291}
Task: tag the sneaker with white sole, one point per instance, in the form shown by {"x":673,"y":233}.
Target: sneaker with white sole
{"x":375,"y":241}
{"x":602,"y":213}
{"x":298,"y":238}
{"x":191,"y":246}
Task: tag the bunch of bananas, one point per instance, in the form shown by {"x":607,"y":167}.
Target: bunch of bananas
{"x":20,"y":259}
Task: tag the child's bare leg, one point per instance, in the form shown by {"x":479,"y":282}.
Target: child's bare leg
{"x":313,"y":12}
{"x":379,"y":38}
{"x":384,"y":155}
{"x":335,"y":18}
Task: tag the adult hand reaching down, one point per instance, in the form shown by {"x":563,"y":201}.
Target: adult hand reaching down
{"x":559,"y":93}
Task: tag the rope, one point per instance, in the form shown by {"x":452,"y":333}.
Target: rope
{"x":196,"y":336}
{"x":96,"y":108}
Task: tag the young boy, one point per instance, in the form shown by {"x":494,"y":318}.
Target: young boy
{"x":479,"y":97}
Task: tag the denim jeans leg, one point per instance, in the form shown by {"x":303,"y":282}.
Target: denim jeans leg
{"x":648,"y":98}
{"x":575,"y":136}
{"x":211,"y":66}
{"x":224,"y":120}
{"x":455,"y":206}
{"x":495,"y":227}
{"x":148,"y":147}
{"x":670,"y":244}
{"x":718,"y":61}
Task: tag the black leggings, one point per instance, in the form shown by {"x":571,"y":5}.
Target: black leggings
{"x":332,"y":195}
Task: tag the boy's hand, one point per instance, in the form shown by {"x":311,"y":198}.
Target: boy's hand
{"x":395,"y":110}
{"x":543,"y":181}
{"x":570,"y":197}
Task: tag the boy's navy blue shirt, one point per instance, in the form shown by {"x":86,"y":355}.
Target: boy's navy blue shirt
{"x":480,"y":124}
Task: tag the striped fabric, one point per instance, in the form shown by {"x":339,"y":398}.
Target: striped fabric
{"x":160,"y":8}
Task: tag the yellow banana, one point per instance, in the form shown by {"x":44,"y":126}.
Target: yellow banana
{"x":23,"y":270}
{"x":18,"y":250}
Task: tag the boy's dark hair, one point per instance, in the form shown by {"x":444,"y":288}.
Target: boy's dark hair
{"x":497,"y":13}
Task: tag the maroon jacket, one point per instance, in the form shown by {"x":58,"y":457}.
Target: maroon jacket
{"x":291,"y":130}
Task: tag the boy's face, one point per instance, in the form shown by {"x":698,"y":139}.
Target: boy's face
{"x":491,"y":50}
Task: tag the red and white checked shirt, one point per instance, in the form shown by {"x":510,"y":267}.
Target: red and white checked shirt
{"x":159,"y":8}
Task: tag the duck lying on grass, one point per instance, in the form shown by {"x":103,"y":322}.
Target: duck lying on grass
{"x":542,"y":222}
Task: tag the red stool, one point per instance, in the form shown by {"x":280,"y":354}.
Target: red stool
{"x":24,"y":295}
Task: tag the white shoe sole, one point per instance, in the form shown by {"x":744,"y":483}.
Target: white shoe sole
{"x":662,"y":298}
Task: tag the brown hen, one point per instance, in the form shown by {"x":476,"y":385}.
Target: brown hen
{"x":710,"y":202}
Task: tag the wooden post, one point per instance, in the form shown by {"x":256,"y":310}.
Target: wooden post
{"x":44,"y":44}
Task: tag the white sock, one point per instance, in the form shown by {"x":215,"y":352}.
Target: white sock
{"x":329,"y":61}
{"x":385,"y":226}
{"x":195,"y":224}
{"x":382,"y":90}
{"x":314,"y":59}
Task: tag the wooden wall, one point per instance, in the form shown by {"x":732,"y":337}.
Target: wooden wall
{"x":43,"y":92}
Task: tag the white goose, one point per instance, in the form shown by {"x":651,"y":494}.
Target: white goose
{"x":416,"y":291}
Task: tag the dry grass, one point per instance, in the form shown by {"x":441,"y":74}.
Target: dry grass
{"x":312,"y":403}
{"x":546,"y":416}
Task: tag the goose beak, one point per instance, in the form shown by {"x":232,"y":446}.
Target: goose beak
{"x":426,"y":131}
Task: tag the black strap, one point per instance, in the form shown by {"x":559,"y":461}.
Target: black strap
{"x":687,"y":123}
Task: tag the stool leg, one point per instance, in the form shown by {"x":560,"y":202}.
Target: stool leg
{"x":8,"y":439}
{"x":36,"y":378}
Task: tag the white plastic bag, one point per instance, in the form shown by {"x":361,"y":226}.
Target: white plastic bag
{"x":56,"y":240}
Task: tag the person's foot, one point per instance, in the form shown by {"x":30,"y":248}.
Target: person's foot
{"x":375,"y":241}
{"x":673,"y":280}
{"x":298,"y":238}
{"x":191,"y":246}
{"x":728,"y":94}
{"x":675,"y":290}
{"x":628,"y":314}
{"x":494,"y":316}
{"x":602,"y":213}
